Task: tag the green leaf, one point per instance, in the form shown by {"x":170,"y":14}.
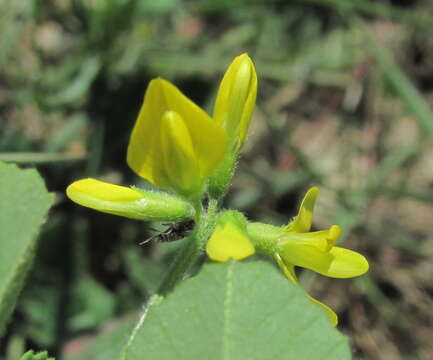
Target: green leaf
{"x":23,"y":206}
{"x":236,"y":311}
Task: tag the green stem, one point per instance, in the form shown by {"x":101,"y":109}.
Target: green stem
{"x":193,"y":247}
{"x":205,"y":223}
{"x":264,"y":237}
{"x":182,"y":263}
{"x":194,"y":244}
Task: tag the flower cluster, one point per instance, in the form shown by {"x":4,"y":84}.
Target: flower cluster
{"x":178,"y":147}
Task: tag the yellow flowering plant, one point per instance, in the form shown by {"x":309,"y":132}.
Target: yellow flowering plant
{"x":191,"y":157}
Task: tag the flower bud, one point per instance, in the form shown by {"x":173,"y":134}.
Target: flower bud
{"x":230,"y":238}
{"x":128,"y":202}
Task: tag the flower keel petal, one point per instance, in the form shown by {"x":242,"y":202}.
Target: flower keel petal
{"x":346,"y":263}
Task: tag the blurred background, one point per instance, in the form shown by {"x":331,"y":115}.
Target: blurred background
{"x":345,"y":90}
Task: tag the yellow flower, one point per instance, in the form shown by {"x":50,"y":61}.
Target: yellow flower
{"x":175,"y":144}
{"x":316,"y":250}
{"x":230,"y":239}
{"x":294,"y":245}
{"x":128,"y":202}
{"x":236,"y":100}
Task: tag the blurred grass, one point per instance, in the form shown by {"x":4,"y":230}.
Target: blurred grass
{"x":345,"y":94}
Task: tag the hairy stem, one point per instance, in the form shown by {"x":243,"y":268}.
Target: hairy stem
{"x":194,"y":244}
{"x":205,"y":221}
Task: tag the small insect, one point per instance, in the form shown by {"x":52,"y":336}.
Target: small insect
{"x":174,"y":232}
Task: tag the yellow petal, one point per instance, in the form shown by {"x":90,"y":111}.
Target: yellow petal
{"x":333,"y":236}
{"x":346,"y":263}
{"x":337,"y":263}
{"x":304,"y":219}
{"x":145,"y":155}
{"x":101,"y":190}
{"x":236,"y":98}
{"x":324,"y":240}
{"x":306,"y":256}
{"x":128,"y":202}
{"x":230,"y":239}
{"x":181,"y":165}
{"x":287,"y":269}
{"x":329,"y":312}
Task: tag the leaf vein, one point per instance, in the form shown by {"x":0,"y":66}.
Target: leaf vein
{"x":228,"y":297}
